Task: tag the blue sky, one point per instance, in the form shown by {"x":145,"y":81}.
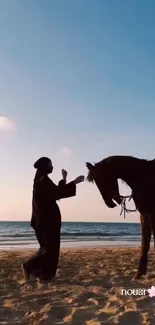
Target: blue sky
{"x":77,"y":84}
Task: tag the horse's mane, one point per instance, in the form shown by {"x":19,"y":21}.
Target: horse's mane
{"x":121,"y":158}
{"x":115,"y":160}
{"x":90,"y":177}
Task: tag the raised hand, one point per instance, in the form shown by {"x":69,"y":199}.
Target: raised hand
{"x":64,"y":173}
{"x":79,"y":179}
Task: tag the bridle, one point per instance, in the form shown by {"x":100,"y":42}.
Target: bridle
{"x":123,"y":204}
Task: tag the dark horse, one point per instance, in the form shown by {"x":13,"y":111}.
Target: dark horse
{"x":139,"y":174}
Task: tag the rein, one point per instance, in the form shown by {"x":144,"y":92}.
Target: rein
{"x":123,"y":208}
{"x":123,"y":205}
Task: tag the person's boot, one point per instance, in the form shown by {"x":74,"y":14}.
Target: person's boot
{"x":142,"y":268}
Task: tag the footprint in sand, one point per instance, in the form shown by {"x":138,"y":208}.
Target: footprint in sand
{"x":54,"y":315}
{"x":144,"y":303}
{"x":59,"y":312}
{"x":130,"y":317}
{"x":115,"y":304}
{"x":8,"y":316}
{"x":82,"y":314}
{"x":90,"y":298}
{"x":105,"y":316}
{"x":51,"y":321}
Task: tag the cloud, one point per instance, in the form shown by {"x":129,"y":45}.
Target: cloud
{"x":6,"y":124}
{"x":66,"y":151}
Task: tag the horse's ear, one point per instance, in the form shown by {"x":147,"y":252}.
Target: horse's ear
{"x":89,"y":166}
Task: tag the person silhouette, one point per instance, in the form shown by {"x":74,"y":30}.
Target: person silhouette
{"x":46,"y":219}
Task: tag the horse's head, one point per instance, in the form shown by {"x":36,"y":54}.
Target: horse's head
{"x":106,"y":182}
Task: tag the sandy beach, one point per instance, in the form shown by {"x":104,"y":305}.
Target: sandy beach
{"x":88,"y":289}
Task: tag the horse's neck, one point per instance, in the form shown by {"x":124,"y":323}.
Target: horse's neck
{"x":129,"y":181}
{"x":129,"y":174}
{"x":131,"y":170}
{"x":135,"y":176}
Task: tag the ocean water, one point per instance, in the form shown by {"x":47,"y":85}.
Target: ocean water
{"x":73,"y":234}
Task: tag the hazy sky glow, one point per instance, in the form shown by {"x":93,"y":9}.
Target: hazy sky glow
{"x":77,"y":84}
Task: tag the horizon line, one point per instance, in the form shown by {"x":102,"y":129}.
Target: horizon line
{"x":73,"y":221}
